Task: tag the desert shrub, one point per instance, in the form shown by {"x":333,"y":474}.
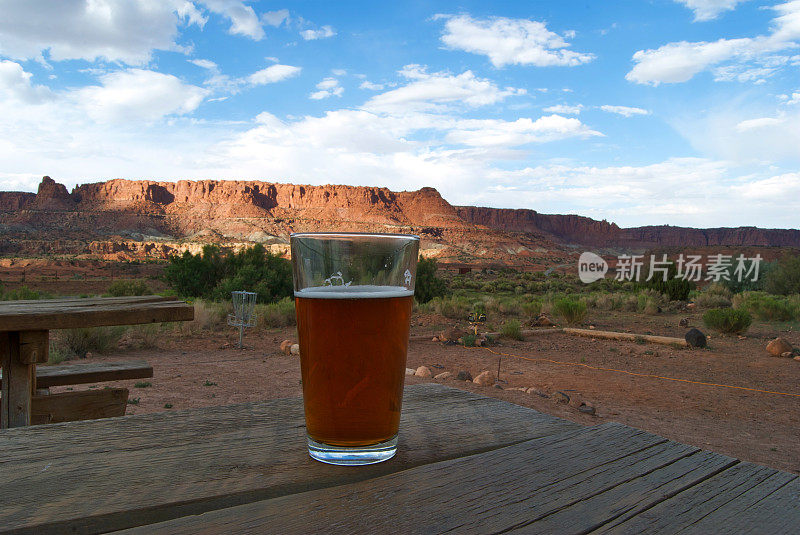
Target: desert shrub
{"x":123,"y":288}
{"x":727,"y":320}
{"x":280,"y":314}
{"x":511,"y":329}
{"x":767,"y":307}
{"x":452,"y":307}
{"x":428,"y":285}
{"x":23,"y":293}
{"x":742,"y":282}
{"x":469,"y":340}
{"x":532,"y":308}
{"x":208,"y":316}
{"x":573,"y":311}
{"x":214,"y":275}
{"x":715,"y":296}
{"x":649,"y":301}
{"x":784,"y":277}
{"x":674,"y":288}
{"x":70,"y":343}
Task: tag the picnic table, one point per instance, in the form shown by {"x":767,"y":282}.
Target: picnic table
{"x":24,"y":338}
{"x":465,"y":464}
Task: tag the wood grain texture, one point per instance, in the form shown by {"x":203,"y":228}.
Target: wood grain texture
{"x":94,"y":372}
{"x":48,"y":314}
{"x":34,"y":347}
{"x":72,"y":406}
{"x":611,"y":335}
{"x":746,"y":498}
{"x":93,"y":476}
{"x":15,"y":410}
{"x":567,"y":483}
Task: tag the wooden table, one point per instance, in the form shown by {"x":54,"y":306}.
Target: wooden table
{"x":466,"y":464}
{"x":24,"y":337}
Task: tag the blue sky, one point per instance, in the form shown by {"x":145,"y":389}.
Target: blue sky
{"x":682,"y":112}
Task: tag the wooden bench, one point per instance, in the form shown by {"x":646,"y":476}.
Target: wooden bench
{"x":108,"y":402}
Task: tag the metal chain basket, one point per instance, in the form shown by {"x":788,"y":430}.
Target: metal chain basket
{"x":244,"y":304}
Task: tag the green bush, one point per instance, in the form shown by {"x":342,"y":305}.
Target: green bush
{"x":571,"y":310}
{"x":124,"y":288}
{"x":512,"y":329}
{"x":716,"y":295}
{"x":428,"y":285}
{"x":23,"y":293}
{"x":214,"y":275}
{"x":727,"y":320}
{"x":469,"y":340}
{"x":280,"y":314}
{"x":784,"y":277}
{"x":767,"y":307}
{"x":71,"y":343}
{"x":673,"y":288}
{"x":532,"y":308}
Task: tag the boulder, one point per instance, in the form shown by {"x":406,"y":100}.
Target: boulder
{"x":423,"y":371}
{"x":442,"y":376}
{"x":695,"y":338}
{"x":484,"y":378}
{"x":464,"y":376}
{"x":295,"y":349}
{"x":538,"y":392}
{"x":410,"y":371}
{"x":587,"y":409}
{"x":286,"y":347}
{"x":778,"y":346}
{"x":684,"y":322}
{"x":787,"y":354}
{"x":543,"y":321}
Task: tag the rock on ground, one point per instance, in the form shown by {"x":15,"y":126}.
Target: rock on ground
{"x":442,"y":376}
{"x":286,"y":347}
{"x":464,"y":376}
{"x":778,"y":346}
{"x":423,"y":371}
{"x":695,"y":338}
{"x":484,"y":378}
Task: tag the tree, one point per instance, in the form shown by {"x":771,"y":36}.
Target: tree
{"x":428,"y":284}
{"x":784,"y":277}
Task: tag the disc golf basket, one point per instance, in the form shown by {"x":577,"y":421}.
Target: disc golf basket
{"x":244,"y":304}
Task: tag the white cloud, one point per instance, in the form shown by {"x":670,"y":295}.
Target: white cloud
{"x":564,"y":109}
{"x":205,"y":64}
{"x":329,"y":87}
{"x":493,"y":132}
{"x":275,"y":18}
{"x":322,"y":33}
{"x":428,"y":91}
{"x":366,"y":84}
{"x":625,"y":111}
{"x":792,"y":99}
{"x":89,"y":30}
{"x":510,"y":41}
{"x":680,"y":61}
{"x":761,"y":122}
{"x":338,"y":72}
{"x":111,"y":30}
{"x":709,"y":9}
{"x":272,"y":74}
{"x":243,"y":19}
{"x":138,"y":95}
{"x":15,"y":84}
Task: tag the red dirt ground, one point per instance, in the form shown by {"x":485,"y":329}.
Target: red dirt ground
{"x":206,"y":369}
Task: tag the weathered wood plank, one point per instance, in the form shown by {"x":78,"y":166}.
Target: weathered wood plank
{"x":34,"y":347}
{"x":15,"y":410}
{"x":72,"y":406}
{"x":93,"y":372}
{"x":632,"y":337}
{"x":188,"y":462}
{"x":505,"y":489}
{"x":68,"y":314}
{"x":746,"y":498}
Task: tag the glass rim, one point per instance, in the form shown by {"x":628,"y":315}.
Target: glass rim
{"x":411,"y":237}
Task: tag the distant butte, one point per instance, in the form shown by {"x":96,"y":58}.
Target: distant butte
{"x":142,"y":218}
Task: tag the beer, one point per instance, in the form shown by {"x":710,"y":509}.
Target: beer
{"x":353,"y":343}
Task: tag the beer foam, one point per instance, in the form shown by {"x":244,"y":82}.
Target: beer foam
{"x":353,"y":292}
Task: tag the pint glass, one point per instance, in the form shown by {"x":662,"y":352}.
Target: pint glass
{"x":353,"y":296}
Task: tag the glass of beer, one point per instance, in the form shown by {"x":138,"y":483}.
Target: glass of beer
{"x":353,"y":297}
